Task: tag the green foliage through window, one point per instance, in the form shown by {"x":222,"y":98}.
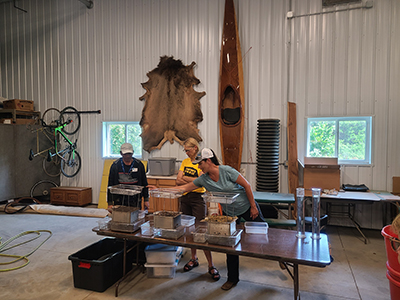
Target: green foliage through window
{"x":347,"y":138}
{"x":117,"y":133}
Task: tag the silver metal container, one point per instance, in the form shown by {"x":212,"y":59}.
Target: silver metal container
{"x":221,"y":228}
{"x":221,"y":225}
{"x":125,"y":214}
{"x":167,"y":219}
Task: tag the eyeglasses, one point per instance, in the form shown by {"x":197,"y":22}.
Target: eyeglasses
{"x":395,"y":243}
{"x":187,"y":150}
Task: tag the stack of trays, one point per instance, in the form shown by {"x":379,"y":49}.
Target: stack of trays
{"x":221,"y":230}
{"x":161,"y":260}
{"x":126,"y":219}
{"x":168,"y":225}
{"x":268,"y":135}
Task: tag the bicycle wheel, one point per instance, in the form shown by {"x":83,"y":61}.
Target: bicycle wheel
{"x":53,"y":167}
{"x":70,"y":113}
{"x":51,"y":117}
{"x":41,"y":190}
{"x":70,"y":166}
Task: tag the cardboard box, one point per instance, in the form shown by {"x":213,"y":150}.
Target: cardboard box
{"x":323,"y":173}
{"x":396,"y":185}
{"x":18,"y":104}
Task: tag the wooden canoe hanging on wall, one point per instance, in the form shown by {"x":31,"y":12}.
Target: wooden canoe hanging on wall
{"x":231,"y":92}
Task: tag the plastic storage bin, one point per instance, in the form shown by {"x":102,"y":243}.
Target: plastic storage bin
{"x":223,"y":240}
{"x":169,"y":233}
{"x":256,"y":227}
{"x":160,"y":271}
{"x":199,"y":235}
{"x":99,"y":266}
{"x":187,"y":220}
{"x":146,"y":229}
{"x":161,"y":254}
{"x":162,"y":166}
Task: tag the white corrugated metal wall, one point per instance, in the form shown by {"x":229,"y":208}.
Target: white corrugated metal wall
{"x":60,"y":53}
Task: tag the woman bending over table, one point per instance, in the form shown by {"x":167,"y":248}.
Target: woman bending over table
{"x":221,"y":178}
{"x":192,"y":203}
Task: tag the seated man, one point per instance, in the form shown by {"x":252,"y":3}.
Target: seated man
{"x":130,"y":171}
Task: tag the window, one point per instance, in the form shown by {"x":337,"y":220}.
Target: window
{"x":347,"y":138}
{"x":117,"y":133}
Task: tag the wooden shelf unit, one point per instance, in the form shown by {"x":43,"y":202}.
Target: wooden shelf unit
{"x":74,"y":196}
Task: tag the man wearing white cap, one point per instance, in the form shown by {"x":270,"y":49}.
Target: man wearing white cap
{"x":128,"y":170}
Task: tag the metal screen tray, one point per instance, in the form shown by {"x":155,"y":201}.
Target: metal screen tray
{"x":166,"y":193}
{"x":220,"y":197}
{"x":224,"y":240}
{"x":124,"y":189}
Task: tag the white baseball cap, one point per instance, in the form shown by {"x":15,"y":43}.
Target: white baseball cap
{"x":126,"y":148}
{"x":203,"y":154}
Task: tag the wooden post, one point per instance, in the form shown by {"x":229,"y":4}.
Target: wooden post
{"x":293,"y":168}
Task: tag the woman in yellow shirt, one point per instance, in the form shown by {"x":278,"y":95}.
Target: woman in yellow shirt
{"x":192,"y":203}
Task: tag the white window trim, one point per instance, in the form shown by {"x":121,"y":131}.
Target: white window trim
{"x":105,"y":139}
{"x":369,"y":138}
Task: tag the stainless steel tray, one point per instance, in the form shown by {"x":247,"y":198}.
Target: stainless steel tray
{"x":124,"y":189}
{"x":224,"y":240}
{"x":220,"y":197}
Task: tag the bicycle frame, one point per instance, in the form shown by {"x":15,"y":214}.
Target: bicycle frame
{"x":58,"y":130}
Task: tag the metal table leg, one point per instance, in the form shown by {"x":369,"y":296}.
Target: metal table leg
{"x":295,"y":277}
{"x":125,"y":275}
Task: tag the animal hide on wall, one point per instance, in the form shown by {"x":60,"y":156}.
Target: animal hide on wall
{"x":172,"y":108}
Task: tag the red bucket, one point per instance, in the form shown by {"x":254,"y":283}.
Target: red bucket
{"x":393,"y":273}
{"x":394,"y":287}
{"x":391,"y":254}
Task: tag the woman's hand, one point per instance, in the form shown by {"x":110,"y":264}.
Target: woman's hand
{"x":253,"y":212}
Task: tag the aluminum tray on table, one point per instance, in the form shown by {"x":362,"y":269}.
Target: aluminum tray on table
{"x":126,"y":227}
{"x":220,"y":197}
{"x":125,"y":189}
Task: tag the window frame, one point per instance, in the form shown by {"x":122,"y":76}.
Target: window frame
{"x":106,"y":145}
{"x":368,"y":138}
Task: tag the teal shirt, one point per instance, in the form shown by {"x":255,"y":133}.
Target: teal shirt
{"x":226,"y":183}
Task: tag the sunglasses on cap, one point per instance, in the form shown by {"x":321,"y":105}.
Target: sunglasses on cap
{"x":394,"y":243}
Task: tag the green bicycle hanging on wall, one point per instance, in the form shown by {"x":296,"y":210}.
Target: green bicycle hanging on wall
{"x":60,"y":124}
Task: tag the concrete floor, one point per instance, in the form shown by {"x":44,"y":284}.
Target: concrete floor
{"x":357,"y":272}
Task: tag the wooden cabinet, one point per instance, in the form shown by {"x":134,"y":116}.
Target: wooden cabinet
{"x":74,"y":196}
{"x":158,"y":204}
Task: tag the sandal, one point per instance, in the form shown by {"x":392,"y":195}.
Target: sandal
{"x":215,"y":275}
{"x":193,"y":263}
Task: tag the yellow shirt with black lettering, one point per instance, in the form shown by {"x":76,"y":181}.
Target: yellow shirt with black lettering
{"x":191,"y":170}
